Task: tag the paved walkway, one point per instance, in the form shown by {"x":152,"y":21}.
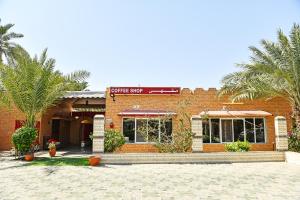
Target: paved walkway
{"x":186,"y":181}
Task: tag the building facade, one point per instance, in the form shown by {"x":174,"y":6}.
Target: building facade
{"x":127,"y":109}
{"x":224,"y":122}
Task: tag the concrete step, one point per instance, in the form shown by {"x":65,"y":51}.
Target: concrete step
{"x":164,"y":158}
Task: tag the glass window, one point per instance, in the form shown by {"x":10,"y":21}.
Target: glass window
{"x":166,"y":131}
{"x":141,"y":130}
{"x":147,"y":130}
{"x":153,"y":130}
{"x":129,"y":129}
{"x":249,"y":124}
{"x":215,"y":131}
{"x":205,"y":131}
{"x":226,"y":130}
{"x":260,"y":130}
{"x":250,"y":129}
{"x":238,"y":128}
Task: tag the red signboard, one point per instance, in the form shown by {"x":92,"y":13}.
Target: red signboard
{"x":144,"y":90}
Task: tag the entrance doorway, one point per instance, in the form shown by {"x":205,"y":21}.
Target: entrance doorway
{"x":86,"y":129}
{"x":61,"y":131}
{"x":55,"y":129}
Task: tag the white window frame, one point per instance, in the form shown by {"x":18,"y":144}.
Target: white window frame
{"x":245,"y":134}
{"x":220,"y":136}
{"x":243,"y":125}
{"x":221,"y":131}
{"x":209,"y":126}
{"x":122,"y":127}
{"x":135,"y":128}
{"x":265,"y":130}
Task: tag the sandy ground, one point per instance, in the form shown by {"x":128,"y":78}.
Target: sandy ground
{"x":175,"y":181}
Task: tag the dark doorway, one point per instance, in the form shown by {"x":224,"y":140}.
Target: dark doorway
{"x":55,"y":129}
{"x":61,"y":131}
{"x":86,"y":130}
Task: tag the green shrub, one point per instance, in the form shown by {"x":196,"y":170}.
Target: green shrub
{"x":237,"y":146}
{"x":23,"y":139}
{"x":294,"y":141}
{"x":112,"y":140}
{"x":183,"y":140}
{"x":233,"y":147}
{"x":180,"y":142}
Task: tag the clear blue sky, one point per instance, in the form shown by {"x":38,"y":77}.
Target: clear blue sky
{"x":148,"y":43}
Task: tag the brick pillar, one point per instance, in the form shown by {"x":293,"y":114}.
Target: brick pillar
{"x":281,"y":133}
{"x":98,"y":134}
{"x":197,"y":145}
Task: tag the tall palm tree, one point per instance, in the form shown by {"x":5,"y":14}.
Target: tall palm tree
{"x":6,"y":45}
{"x":32,"y":84}
{"x":272,"y":72}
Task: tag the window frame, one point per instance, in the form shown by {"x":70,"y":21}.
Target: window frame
{"x":122,"y":128}
{"x":210,"y":134}
{"x":244,"y":124}
{"x":265,"y":130}
{"x":135,"y":128}
{"x":135,"y":131}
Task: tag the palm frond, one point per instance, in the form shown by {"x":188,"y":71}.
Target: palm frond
{"x":32,"y":85}
{"x":6,"y":44}
{"x":77,"y":76}
{"x":273,"y":71}
{"x":77,"y":80}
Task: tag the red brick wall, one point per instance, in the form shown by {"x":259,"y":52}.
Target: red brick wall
{"x":200,"y":100}
{"x":8,"y":119}
{"x":62,"y":109}
{"x":140,"y":148}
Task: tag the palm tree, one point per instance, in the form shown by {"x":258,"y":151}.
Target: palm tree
{"x":77,"y":80}
{"x":6,"y":46}
{"x":272,"y":72}
{"x":32,"y":85}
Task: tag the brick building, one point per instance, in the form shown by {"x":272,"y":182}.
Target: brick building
{"x":126,"y":108}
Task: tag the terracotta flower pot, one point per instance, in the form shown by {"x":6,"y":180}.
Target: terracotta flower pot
{"x":94,"y":160}
{"x":52,"y":152}
{"x":29,"y":157}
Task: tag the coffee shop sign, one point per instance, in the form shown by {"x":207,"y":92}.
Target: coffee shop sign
{"x":144,"y":90}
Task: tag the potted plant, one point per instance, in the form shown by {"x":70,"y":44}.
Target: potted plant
{"x":23,"y":140}
{"x":52,"y":149}
{"x":29,"y":156}
{"x":56,"y":142}
{"x":94,"y":160}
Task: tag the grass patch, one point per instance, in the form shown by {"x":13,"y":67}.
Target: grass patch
{"x":59,"y":162}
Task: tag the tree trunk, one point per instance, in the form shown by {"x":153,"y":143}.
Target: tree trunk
{"x":30,"y":121}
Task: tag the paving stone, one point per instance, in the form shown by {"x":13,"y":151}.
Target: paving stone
{"x":271,"y":180}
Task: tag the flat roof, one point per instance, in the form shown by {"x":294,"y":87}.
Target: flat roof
{"x":84,"y":94}
{"x":136,"y":112}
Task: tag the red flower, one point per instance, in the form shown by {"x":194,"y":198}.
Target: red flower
{"x":52,"y":140}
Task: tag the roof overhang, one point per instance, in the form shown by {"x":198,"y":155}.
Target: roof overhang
{"x":84,"y":95}
{"x":88,"y":109}
{"x":239,"y":113}
{"x":146,"y":113}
